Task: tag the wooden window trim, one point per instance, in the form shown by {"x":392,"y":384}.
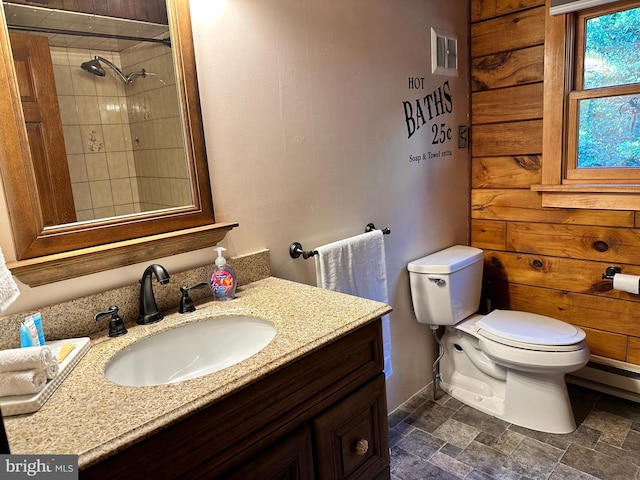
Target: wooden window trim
{"x":555,"y":189}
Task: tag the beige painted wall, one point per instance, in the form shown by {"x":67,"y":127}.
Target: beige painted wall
{"x":307,"y":141}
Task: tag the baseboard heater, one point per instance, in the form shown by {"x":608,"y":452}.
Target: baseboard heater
{"x":609,"y":376}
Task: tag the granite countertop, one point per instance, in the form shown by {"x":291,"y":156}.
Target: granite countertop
{"x":93,"y":417}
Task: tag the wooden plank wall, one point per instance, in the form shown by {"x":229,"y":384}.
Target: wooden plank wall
{"x":542,"y":260}
{"x":154,"y":11}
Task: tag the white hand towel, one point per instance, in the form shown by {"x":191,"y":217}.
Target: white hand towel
{"x":357,"y":266}
{"x":27,"y":358}
{"x":9,"y":291}
{"x":22,"y":382}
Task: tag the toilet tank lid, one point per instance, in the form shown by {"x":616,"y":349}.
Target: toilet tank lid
{"x":448,"y":260}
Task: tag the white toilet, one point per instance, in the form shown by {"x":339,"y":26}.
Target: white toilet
{"x":508,"y":364}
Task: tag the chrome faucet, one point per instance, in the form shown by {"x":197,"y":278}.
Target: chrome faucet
{"x":148,"y":308}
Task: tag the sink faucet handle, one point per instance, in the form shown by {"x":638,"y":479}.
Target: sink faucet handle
{"x":116,"y":325}
{"x":186,"y":304}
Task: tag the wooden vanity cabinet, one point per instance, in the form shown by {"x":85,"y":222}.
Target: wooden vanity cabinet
{"x":351,"y":437}
{"x":322,"y":417}
{"x":289,"y":459}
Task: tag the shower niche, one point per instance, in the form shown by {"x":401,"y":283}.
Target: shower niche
{"x":112,"y":121}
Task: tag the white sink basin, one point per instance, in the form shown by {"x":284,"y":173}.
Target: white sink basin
{"x":190,"y":351}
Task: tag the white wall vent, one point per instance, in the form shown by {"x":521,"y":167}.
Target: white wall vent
{"x":444,"y":53}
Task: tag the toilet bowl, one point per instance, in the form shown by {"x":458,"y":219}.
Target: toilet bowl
{"x":508,"y":364}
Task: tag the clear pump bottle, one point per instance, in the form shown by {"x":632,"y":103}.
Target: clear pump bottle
{"x":222,"y":279}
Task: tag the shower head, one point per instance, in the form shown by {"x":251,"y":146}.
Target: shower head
{"x":94,"y":67}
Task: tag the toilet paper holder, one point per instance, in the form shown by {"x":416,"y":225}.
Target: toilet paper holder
{"x":609,"y":272}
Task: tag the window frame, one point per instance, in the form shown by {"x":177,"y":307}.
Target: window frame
{"x":578,"y":93}
{"x":562,"y":186}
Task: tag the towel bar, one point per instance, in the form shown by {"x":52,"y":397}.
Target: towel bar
{"x":296,"y":250}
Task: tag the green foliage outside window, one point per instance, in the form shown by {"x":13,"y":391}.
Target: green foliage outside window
{"x":609,"y":127}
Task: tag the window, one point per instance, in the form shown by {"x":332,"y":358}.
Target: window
{"x":591,"y":120}
{"x":604,"y":104}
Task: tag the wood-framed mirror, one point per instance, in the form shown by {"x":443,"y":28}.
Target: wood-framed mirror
{"x":130,"y":181}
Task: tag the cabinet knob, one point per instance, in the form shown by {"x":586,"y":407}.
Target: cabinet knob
{"x":361,"y":447}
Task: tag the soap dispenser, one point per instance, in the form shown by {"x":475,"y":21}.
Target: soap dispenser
{"x":222,"y":278}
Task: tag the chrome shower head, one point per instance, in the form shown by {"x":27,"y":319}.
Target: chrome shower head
{"x":93,"y":66}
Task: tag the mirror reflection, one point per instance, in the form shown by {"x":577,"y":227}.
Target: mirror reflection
{"x":106,"y":133}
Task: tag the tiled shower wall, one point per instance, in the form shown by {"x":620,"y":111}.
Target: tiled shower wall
{"x":94,"y":118}
{"x":156,"y":128}
{"x":123,"y":143}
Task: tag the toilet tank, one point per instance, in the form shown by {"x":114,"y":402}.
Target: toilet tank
{"x":446,"y":285}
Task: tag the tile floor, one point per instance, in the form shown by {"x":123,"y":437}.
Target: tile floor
{"x":447,"y":440}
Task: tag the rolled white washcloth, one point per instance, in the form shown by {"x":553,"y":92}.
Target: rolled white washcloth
{"x":52,"y":368}
{"x":28,"y":358}
{"x":22,"y":382}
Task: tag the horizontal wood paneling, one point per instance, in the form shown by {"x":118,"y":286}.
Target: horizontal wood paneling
{"x":539,"y":259}
{"x":489,"y":234}
{"x":525,"y":205}
{"x":508,"y":32}
{"x":607,"y":344}
{"x":615,"y":245}
{"x":564,"y":274}
{"x":483,"y":9}
{"x":500,"y":139}
{"x":507,"y":204}
{"x":525,"y":103}
{"x":598,"y":313}
{"x":506,"y":69}
{"x":633,"y":350}
{"x":518,"y":171}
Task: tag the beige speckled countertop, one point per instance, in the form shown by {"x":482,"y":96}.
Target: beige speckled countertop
{"x":92,"y":417}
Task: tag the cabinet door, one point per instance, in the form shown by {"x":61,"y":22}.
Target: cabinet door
{"x":288,"y":459}
{"x":352,"y":438}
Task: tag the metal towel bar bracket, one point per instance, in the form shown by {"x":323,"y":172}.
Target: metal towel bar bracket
{"x":296,"y":250}
{"x":371,"y":226}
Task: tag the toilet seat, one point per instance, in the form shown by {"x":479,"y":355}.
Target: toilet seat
{"x":529,"y":331}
